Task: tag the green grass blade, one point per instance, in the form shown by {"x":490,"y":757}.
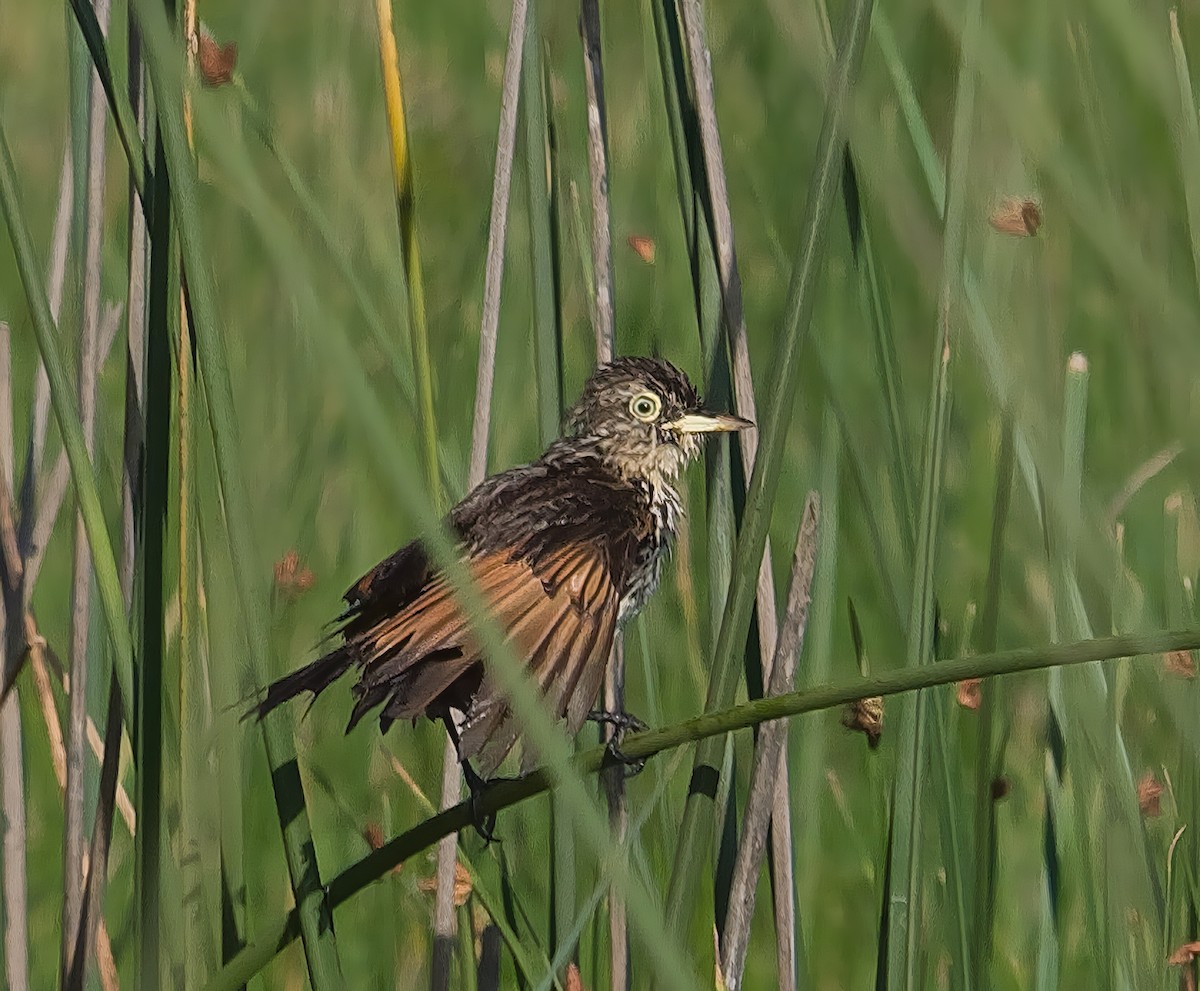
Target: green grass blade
{"x":905,"y":848}
{"x":1189,"y":142}
{"x":983,"y":911}
{"x":79,"y":775}
{"x":119,"y":106}
{"x":543,"y":246}
{"x":166,"y":77}
{"x":162,"y":314}
{"x":62,"y":403}
{"x":761,"y":489}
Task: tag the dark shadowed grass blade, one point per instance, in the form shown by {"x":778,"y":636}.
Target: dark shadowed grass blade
{"x":543,"y":246}
{"x":874,"y":306}
{"x":162,"y":314}
{"x":698,"y":811}
{"x":165,"y":73}
{"x":276,"y":933}
{"x":985,"y":761}
{"x":118,"y":103}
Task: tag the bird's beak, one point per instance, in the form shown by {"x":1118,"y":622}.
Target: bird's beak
{"x":704,"y":422}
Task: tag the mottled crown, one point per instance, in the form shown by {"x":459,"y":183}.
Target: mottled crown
{"x":605,"y":401}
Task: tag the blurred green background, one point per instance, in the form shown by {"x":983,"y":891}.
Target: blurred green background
{"x":1078,"y":107}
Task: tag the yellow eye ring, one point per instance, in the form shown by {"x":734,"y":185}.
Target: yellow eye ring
{"x":645,"y":406}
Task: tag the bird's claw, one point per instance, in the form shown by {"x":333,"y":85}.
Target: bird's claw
{"x":621,"y":723}
{"x":484,"y":822}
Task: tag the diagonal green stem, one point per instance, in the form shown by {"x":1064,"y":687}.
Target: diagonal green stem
{"x":275,"y":934}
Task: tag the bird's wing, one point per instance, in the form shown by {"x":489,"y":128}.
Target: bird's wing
{"x":557,"y":612}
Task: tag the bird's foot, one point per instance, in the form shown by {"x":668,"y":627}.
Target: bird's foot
{"x":484,"y":822}
{"x":621,"y":723}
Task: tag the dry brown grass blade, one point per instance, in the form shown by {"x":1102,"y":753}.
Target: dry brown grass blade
{"x":769,"y":756}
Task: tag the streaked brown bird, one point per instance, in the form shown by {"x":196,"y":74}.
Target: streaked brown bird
{"x":564,"y":551}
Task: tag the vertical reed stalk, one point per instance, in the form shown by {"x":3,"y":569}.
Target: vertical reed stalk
{"x":12,"y":761}
{"x":769,"y":758}
{"x":73,"y":828}
{"x":510,"y":97}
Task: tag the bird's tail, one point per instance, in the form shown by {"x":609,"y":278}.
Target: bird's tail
{"x":314,"y":678}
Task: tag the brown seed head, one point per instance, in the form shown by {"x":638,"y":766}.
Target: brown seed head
{"x":216,"y":61}
{"x":1184,"y":954}
{"x":1180,"y":664}
{"x":643,"y":247}
{"x":1018,"y":216}
{"x":1149,"y":792}
{"x":866,"y":716}
{"x":462,"y":885}
{"x":968,"y":693}
{"x":1000,"y":788}
{"x":291,"y":578}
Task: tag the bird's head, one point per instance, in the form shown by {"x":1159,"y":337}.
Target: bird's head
{"x":645,"y":417}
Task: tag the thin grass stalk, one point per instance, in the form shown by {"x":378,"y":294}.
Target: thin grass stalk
{"x":125,"y":119}
{"x":278,"y":932}
{"x":62,"y":403}
{"x":194,"y":705}
{"x":875,"y":309}
{"x":696,"y":213}
{"x":985,"y":764}
{"x":765,"y":477}
{"x":720,"y":219}
{"x":77,"y":768}
{"x":905,"y":846}
{"x":12,"y":801}
{"x":319,"y":942}
{"x":409,"y":245}
{"x":12,"y":760}
{"x":769,"y":755}
{"x":40,"y":412}
{"x":543,"y":241}
{"x":130,"y":497}
{"x":602,"y":298}
{"x":604,"y":327}
{"x":1189,"y":141}
{"x":510,"y":99}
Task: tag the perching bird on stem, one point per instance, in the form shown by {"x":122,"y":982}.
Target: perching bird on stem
{"x":564,"y":551}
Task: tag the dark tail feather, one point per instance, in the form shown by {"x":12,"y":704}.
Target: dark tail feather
{"x":314,"y":678}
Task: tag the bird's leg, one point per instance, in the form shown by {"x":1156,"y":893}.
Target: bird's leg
{"x":621,"y":723}
{"x":484,"y":823}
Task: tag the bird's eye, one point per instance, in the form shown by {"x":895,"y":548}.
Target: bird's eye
{"x":645,"y":406}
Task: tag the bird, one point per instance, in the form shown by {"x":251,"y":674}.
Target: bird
{"x":564,"y":550}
